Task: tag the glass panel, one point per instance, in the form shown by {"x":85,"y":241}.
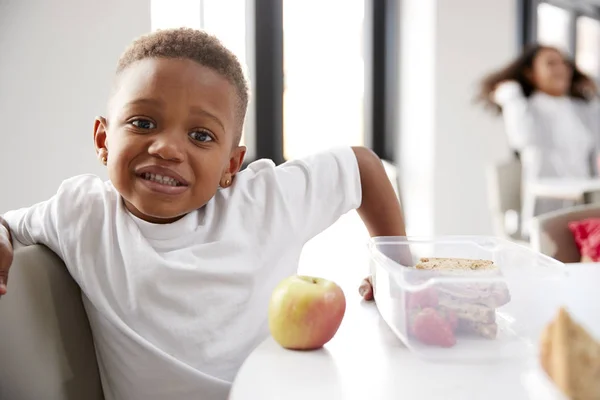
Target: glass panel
{"x":226,"y":19}
{"x":588,"y":46}
{"x":553,"y":26}
{"x":324,"y":78}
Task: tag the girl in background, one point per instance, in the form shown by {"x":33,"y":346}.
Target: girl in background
{"x":551,"y":119}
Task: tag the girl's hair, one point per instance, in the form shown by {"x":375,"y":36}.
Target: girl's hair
{"x":516,"y":71}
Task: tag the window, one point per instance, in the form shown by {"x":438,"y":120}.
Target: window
{"x":588,"y":46}
{"x":553,"y":27}
{"x":323,"y":75}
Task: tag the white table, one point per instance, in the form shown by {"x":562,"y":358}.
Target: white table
{"x":366,"y":361}
{"x":567,"y":189}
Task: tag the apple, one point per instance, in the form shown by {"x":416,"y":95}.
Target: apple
{"x":305,"y":312}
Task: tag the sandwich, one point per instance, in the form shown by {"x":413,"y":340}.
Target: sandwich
{"x":570,"y":356}
{"x":473,"y":302}
{"x":455,"y":264}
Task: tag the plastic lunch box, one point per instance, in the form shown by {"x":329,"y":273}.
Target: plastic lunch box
{"x":529,"y":277}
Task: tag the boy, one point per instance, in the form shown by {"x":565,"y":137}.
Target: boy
{"x":178,"y":253}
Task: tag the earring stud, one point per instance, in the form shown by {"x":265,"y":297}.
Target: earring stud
{"x":104,"y":160}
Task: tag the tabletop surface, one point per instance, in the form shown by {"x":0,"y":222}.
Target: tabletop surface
{"x":365,"y":360}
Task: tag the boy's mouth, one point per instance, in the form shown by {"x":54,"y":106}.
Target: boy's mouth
{"x":165,"y":180}
{"x":162,"y":179}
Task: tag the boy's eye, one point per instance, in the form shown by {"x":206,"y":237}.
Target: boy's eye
{"x":201,"y":136}
{"x":143,"y":124}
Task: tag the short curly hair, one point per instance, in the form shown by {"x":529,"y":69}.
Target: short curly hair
{"x":195,"y":45}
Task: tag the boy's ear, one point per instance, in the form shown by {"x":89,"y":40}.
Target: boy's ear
{"x":235,"y":163}
{"x":236,"y":160}
{"x":100,"y":134}
{"x":100,"y":139}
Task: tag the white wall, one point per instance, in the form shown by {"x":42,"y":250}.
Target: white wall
{"x":56,"y":62}
{"x":447,"y":142}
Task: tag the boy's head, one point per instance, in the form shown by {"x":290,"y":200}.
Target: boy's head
{"x":175,"y":117}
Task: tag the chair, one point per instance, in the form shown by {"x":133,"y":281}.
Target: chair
{"x":550,"y":234}
{"x":46,"y":346}
{"x":504,"y":193}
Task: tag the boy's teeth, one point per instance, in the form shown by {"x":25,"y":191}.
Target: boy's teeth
{"x":165,"y":180}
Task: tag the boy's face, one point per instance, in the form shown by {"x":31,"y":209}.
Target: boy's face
{"x":169,"y":137}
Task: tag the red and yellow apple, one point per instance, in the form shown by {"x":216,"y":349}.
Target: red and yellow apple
{"x":305,"y":312}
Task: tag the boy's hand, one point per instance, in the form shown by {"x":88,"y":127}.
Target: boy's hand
{"x":6,"y":255}
{"x":366,"y":289}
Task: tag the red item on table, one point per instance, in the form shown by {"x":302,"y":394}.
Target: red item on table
{"x":587,"y":237}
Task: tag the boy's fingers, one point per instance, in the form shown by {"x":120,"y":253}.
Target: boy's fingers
{"x":366,"y":289}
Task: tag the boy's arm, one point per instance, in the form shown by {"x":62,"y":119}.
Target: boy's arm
{"x":6,"y":254}
{"x":308,"y":195}
{"x":380,"y":209}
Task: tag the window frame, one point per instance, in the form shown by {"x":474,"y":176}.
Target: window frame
{"x":527,"y":21}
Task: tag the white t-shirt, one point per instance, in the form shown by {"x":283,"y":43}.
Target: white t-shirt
{"x":175,"y":309}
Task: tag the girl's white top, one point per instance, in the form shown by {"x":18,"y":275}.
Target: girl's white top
{"x":557,"y":137}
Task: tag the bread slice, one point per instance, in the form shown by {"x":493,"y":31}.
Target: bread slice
{"x":493,"y":295}
{"x":455,"y":264}
{"x":469,"y":311}
{"x":571,"y":358}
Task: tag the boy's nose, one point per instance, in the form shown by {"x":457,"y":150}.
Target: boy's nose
{"x":166,"y":148}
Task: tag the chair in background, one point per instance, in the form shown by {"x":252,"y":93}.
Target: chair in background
{"x":550,"y":233}
{"x":46,"y":346}
{"x":504,"y":191}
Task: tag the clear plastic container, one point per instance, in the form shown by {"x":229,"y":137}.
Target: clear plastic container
{"x":500,"y":313}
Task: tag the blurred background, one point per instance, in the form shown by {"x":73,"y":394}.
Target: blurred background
{"x":399,"y":76}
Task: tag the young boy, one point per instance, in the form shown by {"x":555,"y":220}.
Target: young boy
{"x":178,"y":253}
